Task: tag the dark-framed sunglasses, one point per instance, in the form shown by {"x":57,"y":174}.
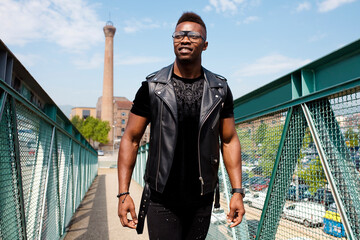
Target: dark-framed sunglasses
{"x":193,"y":36}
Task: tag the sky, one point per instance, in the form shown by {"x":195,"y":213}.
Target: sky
{"x":251,"y":42}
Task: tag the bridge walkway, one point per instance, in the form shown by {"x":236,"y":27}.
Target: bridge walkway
{"x":96,"y":217}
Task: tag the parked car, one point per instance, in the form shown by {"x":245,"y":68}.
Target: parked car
{"x":218,"y":216}
{"x":332,"y":222}
{"x":323,"y":196}
{"x":100,"y":153}
{"x":247,"y":182}
{"x":303,"y":192}
{"x":307,"y":213}
{"x":256,"y":200}
{"x":259,"y":184}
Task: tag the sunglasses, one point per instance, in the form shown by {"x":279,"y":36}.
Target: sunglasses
{"x":192,"y":36}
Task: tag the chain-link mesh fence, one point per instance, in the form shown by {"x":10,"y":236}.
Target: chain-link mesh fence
{"x":10,"y":221}
{"x":45,"y":173}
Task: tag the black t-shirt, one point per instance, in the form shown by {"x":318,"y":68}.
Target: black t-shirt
{"x":183,"y":186}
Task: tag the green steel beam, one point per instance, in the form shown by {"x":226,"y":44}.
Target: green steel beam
{"x":286,"y":160}
{"x":58,"y":183}
{"x":19,"y":178}
{"x":313,"y":80}
{"x":336,"y":159}
{"x":3,"y":57}
{"x":81,"y":140}
{"x":248,"y":112}
{"x":66,"y":189}
{"x":9,"y":210}
{"x":10,"y":68}
{"x":51,"y":111}
{"x":328,"y":173}
{"x":33,"y":173}
{"x":275,"y":170}
{"x":42,"y":212}
{"x":2,"y":103}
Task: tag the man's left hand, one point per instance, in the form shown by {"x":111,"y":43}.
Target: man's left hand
{"x":237,"y":210}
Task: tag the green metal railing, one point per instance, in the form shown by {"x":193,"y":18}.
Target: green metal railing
{"x":300,"y":139}
{"x":46,"y":165}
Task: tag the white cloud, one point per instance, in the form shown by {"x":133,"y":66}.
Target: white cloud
{"x":251,"y":19}
{"x":139,"y":60}
{"x":135,"y":25}
{"x":207,"y":8}
{"x":73,"y":25}
{"x":271,"y":64}
{"x":248,"y":20}
{"x":303,"y":6}
{"x":230,"y":6}
{"x":329,"y":5}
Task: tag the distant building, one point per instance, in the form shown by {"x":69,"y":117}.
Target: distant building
{"x":121,"y":108}
{"x":83,"y":112}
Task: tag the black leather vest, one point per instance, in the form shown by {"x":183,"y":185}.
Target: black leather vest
{"x":163,"y":133}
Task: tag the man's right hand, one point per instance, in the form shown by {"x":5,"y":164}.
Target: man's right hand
{"x":124,"y":208}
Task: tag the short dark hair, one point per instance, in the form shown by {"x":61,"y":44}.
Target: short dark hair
{"x":191,"y":17}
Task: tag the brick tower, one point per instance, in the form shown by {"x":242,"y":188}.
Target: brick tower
{"x":107,"y":106}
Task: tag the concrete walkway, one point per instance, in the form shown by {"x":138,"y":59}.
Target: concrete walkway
{"x":96,"y":217}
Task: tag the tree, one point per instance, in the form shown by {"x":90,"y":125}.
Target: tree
{"x":88,"y":129}
{"x":269,"y":148}
{"x":314,"y":175}
{"x":101,"y":132}
{"x":352,"y":138}
{"x":244,"y":135}
{"x":260,"y":133}
{"x":92,"y":129}
{"x":77,"y":122}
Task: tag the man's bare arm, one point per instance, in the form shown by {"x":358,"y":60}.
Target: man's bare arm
{"x":231,"y":150}
{"x":129,"y":146}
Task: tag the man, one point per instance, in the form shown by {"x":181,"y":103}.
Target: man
{"x":189,"y":108}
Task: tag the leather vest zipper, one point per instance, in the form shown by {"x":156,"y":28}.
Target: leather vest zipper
{"x":159,"y":149}
{"x":215,"y":121}
{"x":207,"y":116}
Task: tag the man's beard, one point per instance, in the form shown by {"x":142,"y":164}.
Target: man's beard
{"x":186,"y":61}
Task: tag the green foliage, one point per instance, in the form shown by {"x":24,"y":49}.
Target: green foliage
{"x":101,"y":132}
{"x":269,"y":147}
{"x":245,"y":139}
{"x":92,"y":128}
{"x":77,"y":122}
{"x":260,"y":134}
{"x":89,"y":126}
{"x":314,"y":175}
{"x":352,"y":138}
{"x":307,"y":138}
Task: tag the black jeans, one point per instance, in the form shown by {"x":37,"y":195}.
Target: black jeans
{"x":178,"y":223}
